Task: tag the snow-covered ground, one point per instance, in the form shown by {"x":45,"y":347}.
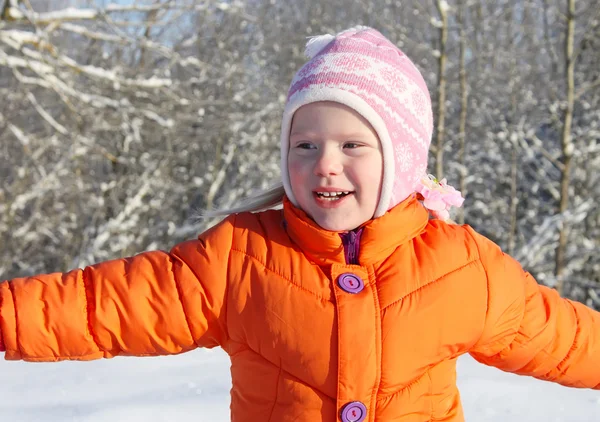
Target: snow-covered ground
{"x":195,"y":386}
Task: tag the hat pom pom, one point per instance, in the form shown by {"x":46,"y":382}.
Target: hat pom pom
{"x":317,"y":44}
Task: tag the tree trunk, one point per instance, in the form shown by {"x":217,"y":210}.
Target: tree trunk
{"x":567,"y":145}
{"x":514,"y":201}
{"x":464,"y":101}
{"x":439,"y":159}
{"x":514,"y":174}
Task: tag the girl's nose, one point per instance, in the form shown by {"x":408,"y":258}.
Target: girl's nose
{"x":328,"y":164}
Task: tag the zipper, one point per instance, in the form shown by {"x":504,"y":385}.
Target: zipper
{"x":351,"y":242}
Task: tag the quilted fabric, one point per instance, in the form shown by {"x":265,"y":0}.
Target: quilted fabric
{"x":266,"y":288}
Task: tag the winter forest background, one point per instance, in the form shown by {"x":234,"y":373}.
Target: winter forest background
{"x":120,"y":119}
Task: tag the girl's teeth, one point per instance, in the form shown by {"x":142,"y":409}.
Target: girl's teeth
{"x":332,"y":195}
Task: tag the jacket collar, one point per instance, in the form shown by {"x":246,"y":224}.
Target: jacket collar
{"x":380,"y":236}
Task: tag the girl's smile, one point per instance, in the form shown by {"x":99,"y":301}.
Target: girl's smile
{"x":331,"y":198}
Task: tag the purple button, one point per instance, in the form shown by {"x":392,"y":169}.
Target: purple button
{"x":351,"y":283}
{"x":354,"y":412}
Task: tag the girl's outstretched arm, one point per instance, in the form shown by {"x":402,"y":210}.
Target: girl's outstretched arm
{"x":530,"y":330}
{"x":154,"y":303}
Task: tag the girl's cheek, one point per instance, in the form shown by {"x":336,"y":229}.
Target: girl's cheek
{"x":295,"y":167}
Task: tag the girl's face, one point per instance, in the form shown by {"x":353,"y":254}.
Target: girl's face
{"x":335,"y":164}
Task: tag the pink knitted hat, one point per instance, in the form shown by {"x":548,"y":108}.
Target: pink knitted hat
{"x":363,"y":70}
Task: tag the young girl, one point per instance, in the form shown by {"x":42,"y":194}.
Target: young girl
{"x":348,"y":304}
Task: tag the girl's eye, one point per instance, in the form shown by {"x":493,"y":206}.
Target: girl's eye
{"x":351,"y":145}
{"x":304,"y":145}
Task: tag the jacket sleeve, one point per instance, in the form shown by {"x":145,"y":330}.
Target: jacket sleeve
{"x":530,"y":330}
{"x":154,"y":303}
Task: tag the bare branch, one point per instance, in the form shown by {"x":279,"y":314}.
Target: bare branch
{"x":63,"y":130}
{"x":587,"y":88}
{"x":73,"y":14}
{"x":16,"y":39}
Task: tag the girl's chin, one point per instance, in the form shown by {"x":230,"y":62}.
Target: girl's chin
{"x":333,"y":215}
{"x":336,"y":224}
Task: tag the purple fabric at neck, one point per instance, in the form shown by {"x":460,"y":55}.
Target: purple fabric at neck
{"x":351,"y":242}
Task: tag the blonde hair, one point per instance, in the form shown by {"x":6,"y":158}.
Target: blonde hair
{"x":269,"y":198}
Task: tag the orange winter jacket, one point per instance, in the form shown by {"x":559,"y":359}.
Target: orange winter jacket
{"x":307,"y":332}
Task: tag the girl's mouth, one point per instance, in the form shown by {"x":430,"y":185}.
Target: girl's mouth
{"x":331,"y":199}
{"x":332,"y":196}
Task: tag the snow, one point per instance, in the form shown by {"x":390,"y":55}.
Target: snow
{"x":13,"y":62}
{"x":70,"y":13}
{"x":15,"y":38}
{"x":195,"y":386}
